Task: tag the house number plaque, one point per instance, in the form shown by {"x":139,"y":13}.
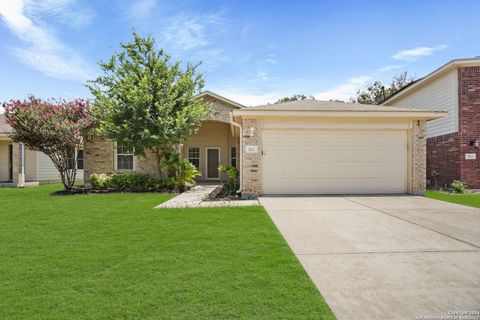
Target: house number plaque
{"x":251,"y":149}
{"x":470,"y":156}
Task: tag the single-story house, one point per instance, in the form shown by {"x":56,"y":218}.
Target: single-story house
{"x":453,"y":142}
{"x":20,"y":166}
{"x":300,"y":147}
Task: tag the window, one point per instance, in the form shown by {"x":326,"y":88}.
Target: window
{"x":233,"y":157}
{"x":80,"y":159}
{"x":124,"y":158}
{"x":194,"y":156}
{"x":78,"y":155}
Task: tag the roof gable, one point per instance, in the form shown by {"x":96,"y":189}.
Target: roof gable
{"x":419,"y":83}
{"x":213,"y":95}
{"x":5,"y":128}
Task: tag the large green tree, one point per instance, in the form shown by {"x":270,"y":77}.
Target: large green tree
{"x":376,"y":92}
{"x":146,"y":101}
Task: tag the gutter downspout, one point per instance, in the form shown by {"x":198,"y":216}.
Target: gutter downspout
{"x":239,"y":126}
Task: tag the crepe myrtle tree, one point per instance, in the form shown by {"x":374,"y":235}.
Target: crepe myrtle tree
{"x":147,"y":102}
{"x":54,"y":127}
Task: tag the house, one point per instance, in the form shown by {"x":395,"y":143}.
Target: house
{"x":20,"y":166}
{"x":301,"y":147}
{"x":452,"y":142}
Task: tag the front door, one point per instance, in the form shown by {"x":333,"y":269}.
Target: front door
{"x":213,"y":161}
{"x":10,"y":162}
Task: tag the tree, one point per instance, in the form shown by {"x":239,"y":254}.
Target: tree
{"x":54,"y":127}
{"x":376,"y":92}
{"x":146,"y":102}
{"x":295,"y":97}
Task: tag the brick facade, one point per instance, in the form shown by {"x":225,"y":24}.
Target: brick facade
{"x":99,"y":153}
{"x":443,"y":160}
{"x":469,"y":123}
{"x":252,"y":162}
{"x":446,"y":153}
{"x":419,"y":161}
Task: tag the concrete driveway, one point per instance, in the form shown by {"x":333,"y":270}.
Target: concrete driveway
{"x":385,"y":257}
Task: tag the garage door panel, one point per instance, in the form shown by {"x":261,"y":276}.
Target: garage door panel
{"x":334,"y":162}
{"x":332,"y":170}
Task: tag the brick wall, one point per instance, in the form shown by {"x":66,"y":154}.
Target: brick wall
{"x":443,"y":157}
{"x":252,"y":162}
{"x":419,"y":146}
{"x":469,"y":123}
{"x":98,"y":156}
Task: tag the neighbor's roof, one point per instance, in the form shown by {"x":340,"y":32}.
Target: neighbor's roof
{"x":467,"y":62}
{"x":333,"y":109}
{"x":4,"y":126}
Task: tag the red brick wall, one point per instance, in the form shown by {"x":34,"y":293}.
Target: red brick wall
{"x":469,"y":123}
{"x":443,"y":156}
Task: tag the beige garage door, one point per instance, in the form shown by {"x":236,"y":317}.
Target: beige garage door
{"x":334,"y":162}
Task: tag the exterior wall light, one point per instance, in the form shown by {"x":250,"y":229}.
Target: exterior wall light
{"x":475,"y":143}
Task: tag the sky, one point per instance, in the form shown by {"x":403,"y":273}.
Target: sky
{"x":252,"y":52}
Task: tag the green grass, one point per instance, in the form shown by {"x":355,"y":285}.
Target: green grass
{"x":467,"y":199}
{"x":112,"y":256}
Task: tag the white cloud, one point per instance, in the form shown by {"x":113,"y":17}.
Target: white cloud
{"x":41,"y":49}
{"x":68,"y":12}
{"x":416,"y":53}
{"x":187,"y":32}
{"x":390,"y":67}
{"x":343,"y":91}
{"x":142,"y":8}
{"x":271,"y":59}
{"x":262,"y":75}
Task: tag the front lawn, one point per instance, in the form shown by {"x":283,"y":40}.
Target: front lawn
{"x":467,"y":199}
{"x":112,"y":256}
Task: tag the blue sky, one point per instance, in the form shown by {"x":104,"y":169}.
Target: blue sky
{"x":252,"y":51}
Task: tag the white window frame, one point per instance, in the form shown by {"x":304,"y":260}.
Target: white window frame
{"x":236,"y":155}
{"x":206,"y":162}
{"x":83,"y":158}
{"x":199,"y":155}
{"x":76,"y":158}
{"x":116,"y":160}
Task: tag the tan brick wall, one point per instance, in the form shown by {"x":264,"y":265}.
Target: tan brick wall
{"x":99,"y":153}
{"x":252,"y":162}
{"x":221,"y":110}
{"x":98,"y":156}
{"x":419,"y":157}
{"x":147,"y":164}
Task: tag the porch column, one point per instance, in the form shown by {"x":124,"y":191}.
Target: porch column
{"x":18,"y":164}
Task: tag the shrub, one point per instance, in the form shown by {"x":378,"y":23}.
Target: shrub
{"x":131,"y":182}
{"x":100,"y":181}
{"x":457,"y":186}
{"x":180,"y":173}
{"x":231,"y":185}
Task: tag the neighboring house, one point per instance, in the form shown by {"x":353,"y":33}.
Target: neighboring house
{"x":453,"y":151}
{"x":301,"y":147}
{"x":20,"y":166}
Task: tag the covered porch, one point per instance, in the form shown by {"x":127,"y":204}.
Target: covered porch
{"x":216,"y":143}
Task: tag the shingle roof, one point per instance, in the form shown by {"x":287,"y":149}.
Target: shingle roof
{"x":4,"y":126}
{"x":319,"y":105}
